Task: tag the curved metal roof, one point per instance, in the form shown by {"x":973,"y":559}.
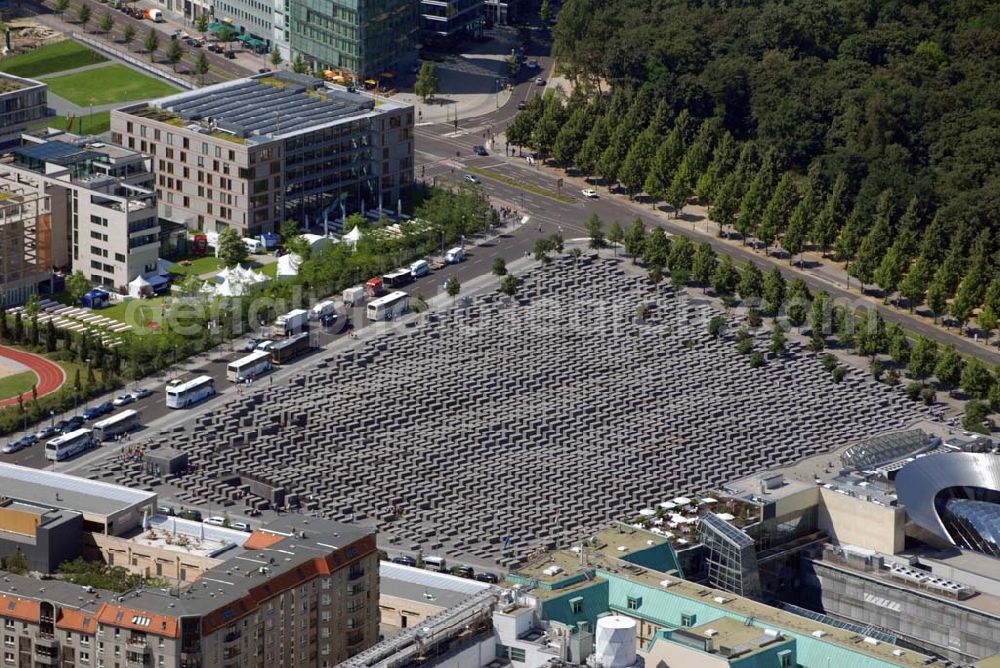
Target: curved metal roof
{"x":918,"y":483}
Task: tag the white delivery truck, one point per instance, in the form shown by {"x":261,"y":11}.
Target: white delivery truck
{"x":254,"y":246}
{"x":420,"y":268}
{"x":454,"y":255}
{"x":293,"y":321}
{"x":354,"y":296}
{"x":329,"y":307}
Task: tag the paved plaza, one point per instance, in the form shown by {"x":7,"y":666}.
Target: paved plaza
{"x":539,"y":419}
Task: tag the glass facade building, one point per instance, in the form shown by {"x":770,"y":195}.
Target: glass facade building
{"x":365,"y":37}
{"x":731,"y":557}
{"x":446,"y":22}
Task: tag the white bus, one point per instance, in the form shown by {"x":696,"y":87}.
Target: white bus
{"x":182,"y":395}
{"x":391,"y":306}
{"x":253,"y":365}
{"x":108,"y":428}
{"x":69,"y":444}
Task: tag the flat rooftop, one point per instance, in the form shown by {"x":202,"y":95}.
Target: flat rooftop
{"x":189,"y":537}
{"x":418,"y":584}
{"x":261,"y":107}
{"x":742,"y":639}
{"x":69,"y":492}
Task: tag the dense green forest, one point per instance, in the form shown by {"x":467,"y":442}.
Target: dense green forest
{"x":865,"y":129}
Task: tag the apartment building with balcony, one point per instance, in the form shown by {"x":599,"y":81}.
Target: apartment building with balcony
{"x":300,"y":592}
{"x":252,"y":153}
{"x":100,"y":205}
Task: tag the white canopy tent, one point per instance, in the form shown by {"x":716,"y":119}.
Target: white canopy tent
{"x":140,"y":287}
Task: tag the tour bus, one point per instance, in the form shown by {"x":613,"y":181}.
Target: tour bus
{"x":182,"y":395}
{"x":288,"y":349}
{"x":115,"y":425}
{"x":391,"y":306}
{"x":397,"y":279}
{"x":255,"y":364}
{"x":69,"y":444}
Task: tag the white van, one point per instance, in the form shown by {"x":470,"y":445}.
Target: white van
{"x":321,"y":309}
{"x":454,"y":255}
{"x":420,"y":268}
{"x":435,"y":564}
{"x":254,"y":246}
{"x":354,"y":296}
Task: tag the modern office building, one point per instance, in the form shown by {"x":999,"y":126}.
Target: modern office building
{"x":100,"y":214}
{"x":25,"y":243}
{"x":297,"y":592}
{"x":364,"y":38}
{"x":23,"y":102}
{"x":447,"y":22}
{"x":252,"y":153}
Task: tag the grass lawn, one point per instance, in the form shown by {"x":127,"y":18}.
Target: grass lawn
{"x":56,"y":57}
{"x":135,"y":312}
{"x":92,"y":123}
{"x":270,"y":269}
{"x":197,"y":266}
{"x":104,"y":85}
{"x":18,"y":383}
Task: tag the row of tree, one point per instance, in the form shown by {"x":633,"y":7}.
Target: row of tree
{"x":948,"y":264}
{"x":865,"y":130}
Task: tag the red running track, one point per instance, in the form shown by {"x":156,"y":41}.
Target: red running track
{"x":50,"y":375}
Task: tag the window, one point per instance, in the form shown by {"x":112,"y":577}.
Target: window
{"x":576,"y":605}
{"x":634,"y":602}
{"x":688,"y":619}
{"x":785,"y":658}
{"x":517,"y":655}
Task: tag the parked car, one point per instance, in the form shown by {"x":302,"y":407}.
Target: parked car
{"x":124,"y":399}
{"x":240,"y":526}
{"x":19,"y":444}
{"x":74,"y":423}
{"x":164,"y":510}
{"x":589,"y":192}
{"x":487,"y":577}
{"x":471,"y":178}
{"x":264,"y":345}
{"x":533,"y":65}
{"x":329,"y":320}
{"x":467,"y":572}
{"x":216,"y":521}
{"x":190,"y":514}
{"x":141,"y":393}
{"x":263,"y":70}
{"x":404,"y":560}
{"x":522,"y":105}
{"x":479,"y":149}
{"x":91,"y":414}
{"x":46,"y":432}
{"x":251,"y":345}
{"x":62,"y":426}
{"x":231,"y":55}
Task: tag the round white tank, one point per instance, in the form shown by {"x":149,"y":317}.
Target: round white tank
{"x":615,"y":642}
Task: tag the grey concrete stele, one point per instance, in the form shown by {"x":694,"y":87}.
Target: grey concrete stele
{"x":539,"y":420}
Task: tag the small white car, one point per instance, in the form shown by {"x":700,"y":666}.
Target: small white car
{"x":141,"y":393}
{"x":471,"y":178}
{"x":240,"y":526}
{"x":589,"y":192}
{"x":123,"y":400}
{"x":216,"y":521}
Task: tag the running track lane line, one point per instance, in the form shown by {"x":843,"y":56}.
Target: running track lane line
{"x":50,"y":375}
